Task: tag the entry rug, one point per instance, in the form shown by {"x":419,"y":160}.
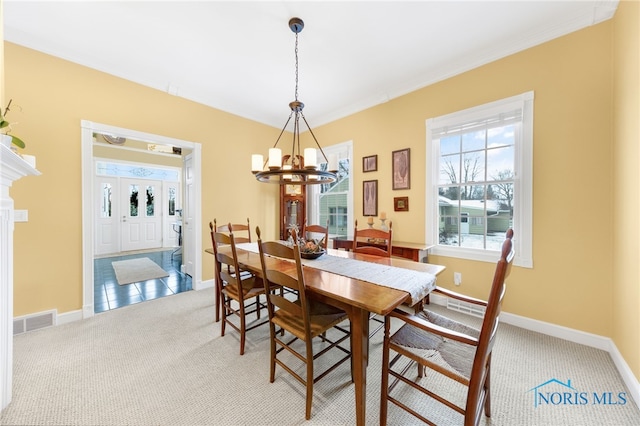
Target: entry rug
{"x":137,"y":270}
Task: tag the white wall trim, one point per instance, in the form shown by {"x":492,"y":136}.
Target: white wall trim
{"x":68,"y":317}
{"x":203,"y":285}
{"x":87,"y":129}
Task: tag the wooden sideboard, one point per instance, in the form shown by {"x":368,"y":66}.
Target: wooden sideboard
{"x":411,"y":251}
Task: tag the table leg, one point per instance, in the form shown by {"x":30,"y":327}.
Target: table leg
{"x":360,"y":352}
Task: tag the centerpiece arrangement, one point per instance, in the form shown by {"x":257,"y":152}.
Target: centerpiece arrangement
{"x":309,"y":249}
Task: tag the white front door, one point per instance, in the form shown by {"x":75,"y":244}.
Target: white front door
{"x":107,"y":225}
{"x":141,"y":214}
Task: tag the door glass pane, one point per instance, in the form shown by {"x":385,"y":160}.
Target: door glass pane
{"x":133,"y":200}
{"x":105,"y":202}
{"x":150,"y":201}
{"x":172,"y":201}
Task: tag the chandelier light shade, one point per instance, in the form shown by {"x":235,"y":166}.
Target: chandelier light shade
{"x":295,"y":167}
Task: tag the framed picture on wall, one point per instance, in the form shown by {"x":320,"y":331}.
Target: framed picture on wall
{"x":401,"y":204}
{"x":401,"y":169}
{"x":370,"y":198}
{"x":370,"y":163}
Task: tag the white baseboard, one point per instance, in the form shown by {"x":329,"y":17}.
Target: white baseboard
{"x":202,"y":285}
{"x":580,"y":337}
{"x":68,"y":317}
{"x":627,"y":375}
{"x":571,"y":335}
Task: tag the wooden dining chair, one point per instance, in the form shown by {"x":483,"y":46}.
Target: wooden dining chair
{"x":455,"y":350}
{"x":363,"y":240}
{"x":245,"y":237}
{"x":382,"y":239}
{"x":301,"y":318}
{"x":237,"y":227}
{"x":237,"y":286}
{"x":311,"y":231}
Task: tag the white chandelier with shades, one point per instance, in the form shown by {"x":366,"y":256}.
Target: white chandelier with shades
{"x":296,"y":167}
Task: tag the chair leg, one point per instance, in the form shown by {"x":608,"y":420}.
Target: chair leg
{"x":243,"y":328}
{"x":487,"y":389}
{"x":218,"y":299}
{"x":309,"y":379}
{"x":384,"y":383}
{"x":223,"y":324}
{"x":272,"y":370}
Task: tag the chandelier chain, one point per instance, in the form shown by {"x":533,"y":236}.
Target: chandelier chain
{"x":292,"y":169}
{"x":296,"y":53}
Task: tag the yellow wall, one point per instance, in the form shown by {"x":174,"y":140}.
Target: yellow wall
{"x":55,"y":95}
{"x":626,"y":184}
{"x":572,"y":283}
{"x":571,"y":77}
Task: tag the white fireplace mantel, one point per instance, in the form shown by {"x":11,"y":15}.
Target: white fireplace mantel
{"x":12,"y":168}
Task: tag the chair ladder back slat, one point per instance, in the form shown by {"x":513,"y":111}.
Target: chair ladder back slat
{"x":308,"y":230}
{"x":382,"y":240}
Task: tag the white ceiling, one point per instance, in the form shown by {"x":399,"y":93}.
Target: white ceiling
{"x":238,"y":56}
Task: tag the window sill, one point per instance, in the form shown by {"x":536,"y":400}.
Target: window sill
{"x":490,"y":256}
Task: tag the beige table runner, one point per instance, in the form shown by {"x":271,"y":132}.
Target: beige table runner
{"x":417,"y":284}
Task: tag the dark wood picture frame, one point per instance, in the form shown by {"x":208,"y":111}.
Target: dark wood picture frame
{"x":401,"y":204}
{"x":401,"y":165}
{"x":370,"y":163}
{"x":370,"y":198}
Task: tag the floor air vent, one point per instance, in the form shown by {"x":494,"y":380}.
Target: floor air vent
{"x":34,"y":322}
{"x":465,"y":308}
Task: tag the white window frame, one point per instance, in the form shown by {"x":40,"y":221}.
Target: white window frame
{"x":523,"y":181}
{"x":341,"y":150}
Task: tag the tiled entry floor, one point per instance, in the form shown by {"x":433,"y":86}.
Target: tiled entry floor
{"x":108,"y":294}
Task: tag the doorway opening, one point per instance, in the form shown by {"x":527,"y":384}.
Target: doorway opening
{"x":189,"y":223}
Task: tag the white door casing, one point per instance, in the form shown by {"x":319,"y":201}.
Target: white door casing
{"x":88,"y":128}
{"x":188,"y":216}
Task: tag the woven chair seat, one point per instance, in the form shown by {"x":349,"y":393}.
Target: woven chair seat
{"x":457,"y":356}
{"x":447,"y":348}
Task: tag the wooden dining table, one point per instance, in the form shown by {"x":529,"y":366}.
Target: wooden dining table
{"x":356,"y":297}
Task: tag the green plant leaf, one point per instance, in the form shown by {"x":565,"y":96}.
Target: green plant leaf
{"x":17,"y":141}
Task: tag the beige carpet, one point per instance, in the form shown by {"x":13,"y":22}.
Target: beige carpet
{"x":163,"y":362}
{"x":137,"y":270}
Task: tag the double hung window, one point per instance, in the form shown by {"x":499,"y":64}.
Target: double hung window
{"x":479,"y":182}
{"x":332,"y":201}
